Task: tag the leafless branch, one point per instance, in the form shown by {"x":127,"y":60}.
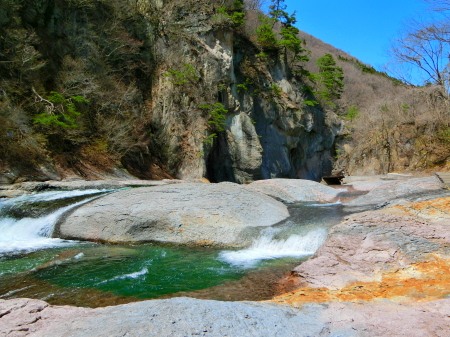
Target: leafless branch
{"x":50,"y":106}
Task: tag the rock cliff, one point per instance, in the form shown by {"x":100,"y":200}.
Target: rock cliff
{"x":267,"y":134}
{"x":170,"y":89}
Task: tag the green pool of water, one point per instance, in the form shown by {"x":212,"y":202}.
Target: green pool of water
{"x":141,"y":272}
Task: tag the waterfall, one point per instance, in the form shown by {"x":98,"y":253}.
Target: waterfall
{"x":28,"y":234}
{"x":266,"y":247}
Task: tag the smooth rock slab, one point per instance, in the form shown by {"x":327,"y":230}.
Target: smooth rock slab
{"x":295,"y":190}
{"x":223,"y":214}
{"x":181,"y":317}
{"x":399,"y":192}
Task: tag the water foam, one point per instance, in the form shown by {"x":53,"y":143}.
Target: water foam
{"x":48,"y":196}
{"x":134,"y":275}
{"x":325,"y":205}
{"x":29,"y":234}
{"x":266,"y":247}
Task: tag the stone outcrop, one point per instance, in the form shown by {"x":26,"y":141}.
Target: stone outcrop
{"x":402,"y":251}
{"x":179,"y":58}
{"x":382,"y":193}
{"x":223,"y":214}
{"x":379,"y":273}
{"x":295,"y":190}
{"x":267,"y":134}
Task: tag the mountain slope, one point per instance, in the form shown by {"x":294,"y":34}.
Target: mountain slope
{"x":167,"y":90}
{"x":183,"y":89}
{"x":390,"y":126}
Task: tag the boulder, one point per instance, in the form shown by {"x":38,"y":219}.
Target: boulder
{"x":223,"y":214}
{"x":295,"y":190}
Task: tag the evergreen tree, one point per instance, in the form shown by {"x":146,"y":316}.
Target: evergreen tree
{"x":236,"y":12}
{"x":329,"y":78}
{"x":289,"y":34}
{"x":277,"y":11}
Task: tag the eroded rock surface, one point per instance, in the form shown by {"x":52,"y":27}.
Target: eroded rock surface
{"x":382,"y":194}
{"x":295,"y":190}
{"x":400,"y":251}
{"x":223,"y":214}
{"x":190,"y":317}
{"x":382,"y":273}
{"x":379,"y":273}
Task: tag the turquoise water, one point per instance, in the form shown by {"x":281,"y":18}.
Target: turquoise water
{"x":142,"y":272}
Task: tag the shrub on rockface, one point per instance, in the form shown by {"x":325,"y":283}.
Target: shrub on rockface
{"x":79,"y":75}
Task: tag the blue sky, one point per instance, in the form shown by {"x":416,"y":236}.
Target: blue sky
{"x":361,"y":28}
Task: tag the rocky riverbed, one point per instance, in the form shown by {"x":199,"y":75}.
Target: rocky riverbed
{"x":383,"y":271}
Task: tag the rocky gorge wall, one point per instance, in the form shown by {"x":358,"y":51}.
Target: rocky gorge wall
{"x":267,"y":133}
{"x":157,"y":115}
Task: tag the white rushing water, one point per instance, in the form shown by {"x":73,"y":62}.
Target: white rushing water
{"x":134,"y":275}
{"x":28,"y":234}
{"x":326,"y":205}
{"x":266,"y":247}
{"x":47,"y":196}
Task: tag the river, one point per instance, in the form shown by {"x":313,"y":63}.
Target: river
{"x":35,"y":265}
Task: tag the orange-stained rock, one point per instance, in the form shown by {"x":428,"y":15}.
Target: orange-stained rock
{"x":424,"y":281}
{"x":400,"y":253}
{"x":435,"y":210}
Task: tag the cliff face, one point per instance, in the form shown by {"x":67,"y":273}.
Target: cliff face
{"x":174,"y":89}
{"x":266,"y":134}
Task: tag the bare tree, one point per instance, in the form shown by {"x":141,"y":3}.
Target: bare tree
{"x":427,"y":49}
{"x":424,"y":49}
{"x":256,"y":5}
{"x":439,"y":5}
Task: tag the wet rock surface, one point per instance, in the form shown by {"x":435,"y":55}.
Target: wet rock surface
{"x":223,"y":214}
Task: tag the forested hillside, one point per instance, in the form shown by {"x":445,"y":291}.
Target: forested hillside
{"x":390,"y":125}
{"x":185,"y":89}
{"x":193,"y":89}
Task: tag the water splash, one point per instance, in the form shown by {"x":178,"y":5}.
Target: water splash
{"x":48,"y":196}
{"x":29,"y":234}
{"x":125,"y":276}
{"x":266,"y":247}
{"x":325,"y":205}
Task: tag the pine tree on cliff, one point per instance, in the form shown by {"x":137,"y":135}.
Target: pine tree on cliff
{"x":289,"y":33}
{"x":330,"y":78}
